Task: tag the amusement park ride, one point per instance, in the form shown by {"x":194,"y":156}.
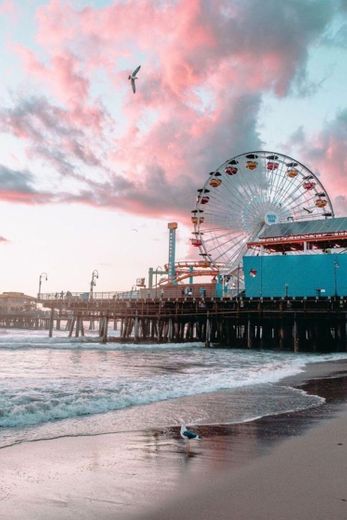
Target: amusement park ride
{"x":240,"y":200}
{"x":267,"y":236}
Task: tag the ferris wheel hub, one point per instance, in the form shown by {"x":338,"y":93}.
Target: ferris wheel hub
{"x":271,"y":218}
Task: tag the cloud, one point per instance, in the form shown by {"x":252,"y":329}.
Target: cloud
{"x":325,"y":153}
{"x":199,"y":93}
{"x":8,"y":8}
{"x":340,"y":205}
{"x":3,"y":240}
{"x":53,"y":134}
{"x":17,"y":186}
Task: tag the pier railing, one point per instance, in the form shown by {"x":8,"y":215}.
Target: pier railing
{"x":88,"y":296}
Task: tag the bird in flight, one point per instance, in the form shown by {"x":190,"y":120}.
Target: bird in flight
{"x":132,"y":78}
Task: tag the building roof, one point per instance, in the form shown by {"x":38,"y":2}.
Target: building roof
{"x":305,"y":227}
{"x":16,"y":296}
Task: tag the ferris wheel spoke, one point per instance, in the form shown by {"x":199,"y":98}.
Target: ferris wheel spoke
{"x":272,"y":182}
{"x":237,"y":194}
{"x":306,"y":173}
{"x":244,"y":182}
{"x":236,"y":258}
{"x":287,"y":193}
{"x":299,"y":200}
{"x":285,"y":188}
{"x":220,"y":196}
{"x":289,"y":185}
{"x":220,"y":246}
{"x":292,"y":183}
{"x":298,"y":192}
{"x":237,"y":201}
{"x":274,"y":179}
{"x":241,"y":179}
{"x":214,"y":239}
{"x":215,"y":229}
{"x":307,"y":203}
{"x":237,"y":248}
{"x":278,"y":184}
{"x":234,"y":245}
{"x":236,"y":209}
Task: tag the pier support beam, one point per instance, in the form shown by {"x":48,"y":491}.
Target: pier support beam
{"x":51,"y":320}
{"x":72,"y":324}
{"x":103,"y":329}
{"x":296,"y":343}
{"x":136,"y":328}
{"x":250,"y":333}
{"x":170,"y":331}
{"x":208,"y":331}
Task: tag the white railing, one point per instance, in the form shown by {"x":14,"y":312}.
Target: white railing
{"x":87,"y":296}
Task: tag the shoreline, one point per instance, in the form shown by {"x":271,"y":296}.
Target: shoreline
{"x":118,"y":475}
{"x":300,"y":472}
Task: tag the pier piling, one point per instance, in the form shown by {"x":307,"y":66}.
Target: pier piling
{"x":298,"y":325}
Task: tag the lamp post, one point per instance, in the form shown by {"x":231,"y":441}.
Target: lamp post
{"x":40,"y":283}
{"x":95,"y":276}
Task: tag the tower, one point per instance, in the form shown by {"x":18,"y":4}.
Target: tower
{"x":172,"y":251}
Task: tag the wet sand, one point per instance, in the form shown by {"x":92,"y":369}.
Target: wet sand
{"x":299,"y":472}
{"x":287,"y":466}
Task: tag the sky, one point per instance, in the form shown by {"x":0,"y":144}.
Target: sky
{"x":90,"y":174}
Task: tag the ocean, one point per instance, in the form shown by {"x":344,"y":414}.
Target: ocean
{"x":57,"y":387}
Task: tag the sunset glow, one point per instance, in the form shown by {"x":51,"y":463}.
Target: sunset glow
{"x":91,"y":173}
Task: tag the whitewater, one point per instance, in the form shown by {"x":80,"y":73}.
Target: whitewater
{"x":51,"y":387}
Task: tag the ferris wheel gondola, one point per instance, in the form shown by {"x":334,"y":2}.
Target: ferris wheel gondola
{"x":247,"y":193}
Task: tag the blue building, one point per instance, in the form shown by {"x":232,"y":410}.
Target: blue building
{"x":295,"y":275}
{"x":318,"y":269}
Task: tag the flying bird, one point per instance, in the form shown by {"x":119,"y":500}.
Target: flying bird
{"x":132,"y":78}
{"x":188,"y":435}
{"x":307,"y":210}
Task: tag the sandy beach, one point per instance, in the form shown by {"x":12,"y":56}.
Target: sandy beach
{"x":302,"y":479}
{"x":289,"y":466}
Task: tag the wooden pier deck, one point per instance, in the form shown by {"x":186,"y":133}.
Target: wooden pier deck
{"x":312,"y":324}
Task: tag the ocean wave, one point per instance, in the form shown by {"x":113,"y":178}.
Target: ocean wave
{"x":45,"y":380}
{"x":66,"y":398}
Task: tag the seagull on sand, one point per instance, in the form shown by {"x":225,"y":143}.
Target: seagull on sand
{"x":188,"y":435}
{"x":132,"y":78}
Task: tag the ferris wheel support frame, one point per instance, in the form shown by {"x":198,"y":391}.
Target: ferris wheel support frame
{"x":275,"y":186}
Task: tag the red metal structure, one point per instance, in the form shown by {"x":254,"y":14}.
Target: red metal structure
{"x":303,"y":236}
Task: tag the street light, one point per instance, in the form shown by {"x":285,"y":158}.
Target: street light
{"x":40,"y":283}
{"x":95,"y":276}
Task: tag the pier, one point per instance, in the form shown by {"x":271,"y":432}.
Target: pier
{"x":290,"y":324}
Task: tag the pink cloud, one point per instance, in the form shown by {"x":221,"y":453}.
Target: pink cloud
{"x":205,"y":68}
{"x":62,"y":75}
{"x":25,"y":198}
{"x":8,"y":8}
{"x":326,"y":153}
{"x":17,"y":186}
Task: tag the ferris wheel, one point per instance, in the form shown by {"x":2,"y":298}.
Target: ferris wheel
{"x":248,"y":192}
